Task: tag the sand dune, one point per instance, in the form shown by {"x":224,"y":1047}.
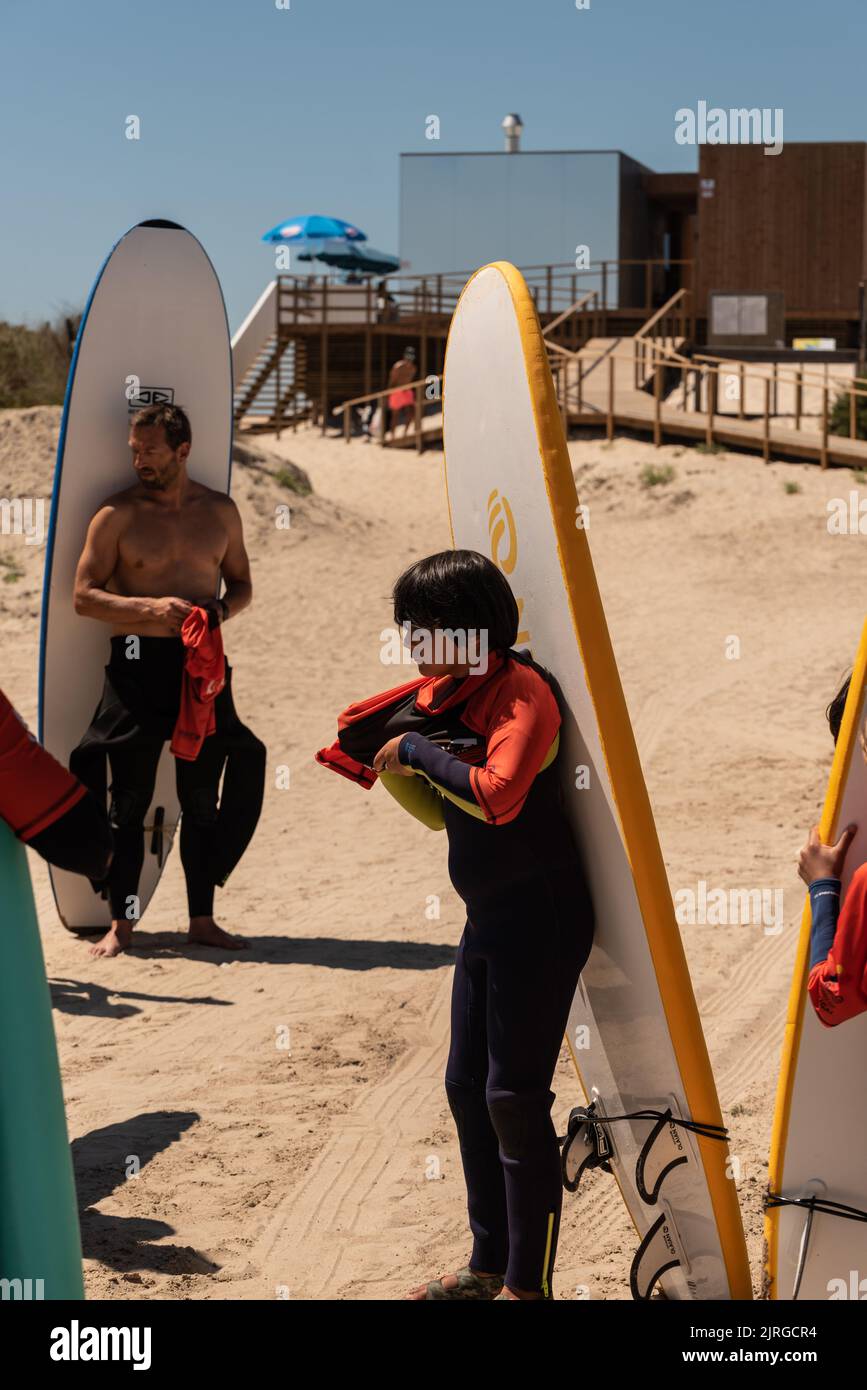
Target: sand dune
{"x":305,"y":1171}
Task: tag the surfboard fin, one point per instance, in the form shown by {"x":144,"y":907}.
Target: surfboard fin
{"x":657,"y":1253}
{"x":662,"y":1151}
{"x":586,"y":1144}
{"x":158,"y":834}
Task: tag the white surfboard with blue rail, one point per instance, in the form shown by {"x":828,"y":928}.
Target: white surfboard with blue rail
{"x":154,"y":329}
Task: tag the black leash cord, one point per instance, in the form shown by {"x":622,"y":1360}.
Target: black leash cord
{"x":706,"y":1131}
{"x":820,"y":1204}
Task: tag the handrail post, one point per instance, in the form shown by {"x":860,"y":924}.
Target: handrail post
{"x":580,"y":385}
{"x":277,"y":385}
{"x":609,"y":429}
{"x":383,"y":418}
{"x":657,"y":405}
{"x":799,"y":397}
{"x":604,"y":297}
{"x":323,"y":365}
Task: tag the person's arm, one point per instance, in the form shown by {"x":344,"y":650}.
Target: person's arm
{"x":522,"y":738}
{"x":824,"y":911}
{"x":837,"y":983}
{"x":47,"y":807}
{"x":98,"y":562}
{"x":416,"y":795}
{"x":235,"y":568}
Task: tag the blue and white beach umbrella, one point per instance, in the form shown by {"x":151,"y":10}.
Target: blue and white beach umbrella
{"x":314,"y":227}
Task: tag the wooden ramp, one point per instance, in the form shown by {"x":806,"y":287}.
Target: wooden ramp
{"x":785,"y":416}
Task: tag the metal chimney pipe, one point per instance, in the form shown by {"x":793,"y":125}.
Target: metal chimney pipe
{"x":513,"y":127}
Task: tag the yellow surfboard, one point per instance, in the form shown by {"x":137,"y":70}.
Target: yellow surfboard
{"x":818,"y":1161}
{"x":634,"y":1031}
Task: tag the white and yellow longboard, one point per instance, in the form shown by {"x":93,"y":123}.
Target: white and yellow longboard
{"x":818,"y":1163}
{"x":634,"y":1030}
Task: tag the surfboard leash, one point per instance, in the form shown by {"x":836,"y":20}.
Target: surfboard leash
{"x":821,"y":1204}
{"x":588,"y":1124}
{"x":811,"y":1205}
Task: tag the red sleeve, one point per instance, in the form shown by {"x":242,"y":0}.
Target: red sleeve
{"x":838,"y":985}
{"x":520,"y":719}
{"x":35,"y":789}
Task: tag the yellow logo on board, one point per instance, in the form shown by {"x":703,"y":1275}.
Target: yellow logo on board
{"x":504,"y":546}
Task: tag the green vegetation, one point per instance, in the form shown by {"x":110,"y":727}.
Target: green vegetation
{"x":838,"y":416}
{"x":792,"y":487}
{"x":651,"y":476}
{"x":34,"y":362}
{"x":295,"y":481}
{"x":714,"y":448}
{"x":10,"y":570}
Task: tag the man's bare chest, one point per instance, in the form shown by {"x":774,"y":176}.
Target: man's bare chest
{"x":193,"y":537}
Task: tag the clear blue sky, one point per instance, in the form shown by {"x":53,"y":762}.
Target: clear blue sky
{"x":251,"y":114}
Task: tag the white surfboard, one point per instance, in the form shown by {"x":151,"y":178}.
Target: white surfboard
{"x":154,"y":329}
{"x":819,"y":1138}
{"x":634,"y":1031}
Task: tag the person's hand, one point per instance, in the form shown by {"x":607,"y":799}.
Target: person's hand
{"x":216,"y":612}
{"x":824,"y":861}
{"x":387,"y":760}
{"x":170,"y":611}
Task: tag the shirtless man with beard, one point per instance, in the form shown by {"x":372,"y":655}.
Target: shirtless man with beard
{"x":154,"y":552}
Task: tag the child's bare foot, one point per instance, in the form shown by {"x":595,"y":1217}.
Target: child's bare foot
{"x":116,"y":939}
{"x":205,"y":932}
{"x":467,"y":1284}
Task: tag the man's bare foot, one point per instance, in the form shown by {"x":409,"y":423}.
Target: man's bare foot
{"x":115,"y":940}
{"x":205,"y":932}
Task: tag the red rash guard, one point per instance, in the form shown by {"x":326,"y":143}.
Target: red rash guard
{"x":35,"y":789}
{"x":838,"y":985}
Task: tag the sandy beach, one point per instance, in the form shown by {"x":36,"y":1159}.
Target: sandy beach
{"x":275,"y":1124}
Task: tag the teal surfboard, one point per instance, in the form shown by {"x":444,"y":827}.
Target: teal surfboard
{"x":40,"y":1244}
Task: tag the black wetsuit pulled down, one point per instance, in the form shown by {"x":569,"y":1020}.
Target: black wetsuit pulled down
{"x":133,"y":721}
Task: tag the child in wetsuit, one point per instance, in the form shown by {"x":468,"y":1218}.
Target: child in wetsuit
{"x":838,"y":938}
{"x":494,"y":785}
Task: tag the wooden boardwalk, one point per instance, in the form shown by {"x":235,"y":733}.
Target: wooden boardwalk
{"x":607,"y":397}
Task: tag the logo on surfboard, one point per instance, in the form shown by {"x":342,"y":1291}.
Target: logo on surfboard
{"x":504,"y":548}
{"x":151,"y":395}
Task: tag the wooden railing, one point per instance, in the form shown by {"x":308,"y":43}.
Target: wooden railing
{"x":705,"y":384}
{"x":556,"y":289}
{"x":346,"y":407}
{"x":699,"y":393}
{"x":667,"y":325}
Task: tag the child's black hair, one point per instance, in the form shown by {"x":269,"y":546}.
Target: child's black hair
{"x":458,"y":589}
{"x":834,"y":712}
